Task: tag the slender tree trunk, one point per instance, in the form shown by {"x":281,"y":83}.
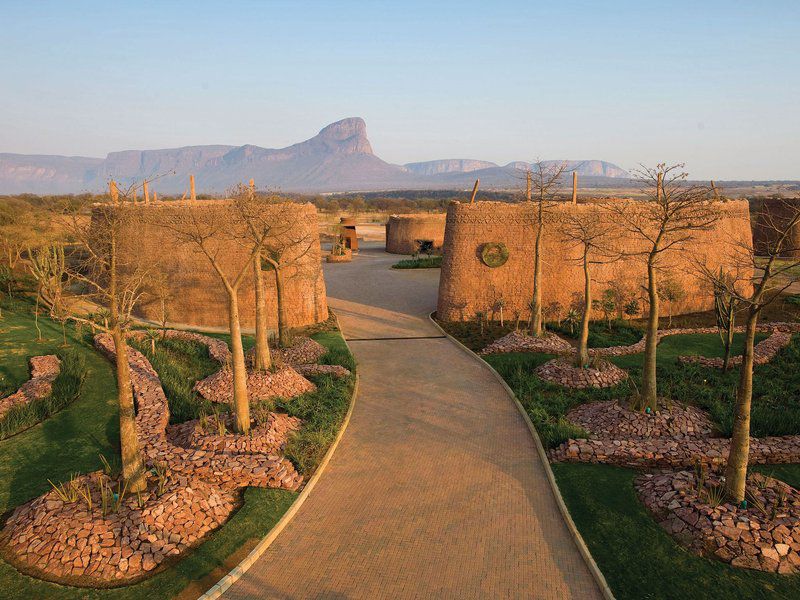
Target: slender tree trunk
{"x":132,"y":464}
{"x":36,"y":317}
{"x":583,"y":340}
{"x":262,"y":360}
{"x":241,"y":404}
{"x":536,"y":309}
{"x":283,"y":329}
{"x":736,"y":467}
{"x":728,"y":342}
{"x":649,"y":391}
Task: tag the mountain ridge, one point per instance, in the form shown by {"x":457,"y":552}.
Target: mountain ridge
{"x":339,"y":158}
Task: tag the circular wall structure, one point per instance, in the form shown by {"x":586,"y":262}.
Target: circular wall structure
{"x":181,"y":281}
{"x":467,"y":285}
{"x":403,"y":231}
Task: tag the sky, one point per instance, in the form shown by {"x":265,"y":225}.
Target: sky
{"x":713,"y":84}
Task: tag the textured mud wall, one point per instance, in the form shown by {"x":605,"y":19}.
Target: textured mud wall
{"x":402,"y":231}
{"x":767,"y":214}
{"x":467,"y":285}
{"x":196,"y":295}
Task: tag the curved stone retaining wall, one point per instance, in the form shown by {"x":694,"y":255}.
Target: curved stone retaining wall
{"x":403,"y":231}
{"x":197,"y":296}
{"x":44,"y":370}
{"x":468,"y":286}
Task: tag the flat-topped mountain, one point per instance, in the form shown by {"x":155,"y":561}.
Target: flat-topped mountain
{"x":338,"y":158}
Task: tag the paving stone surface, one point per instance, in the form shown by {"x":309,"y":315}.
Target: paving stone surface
{"x":436,"y":490}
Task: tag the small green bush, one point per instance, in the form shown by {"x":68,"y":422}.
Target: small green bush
{"x":429,"y":262}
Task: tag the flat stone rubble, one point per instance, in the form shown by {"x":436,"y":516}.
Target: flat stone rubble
{"x":765,"y":536}
{"x":562,"y":372}
{"x":44,"y":370}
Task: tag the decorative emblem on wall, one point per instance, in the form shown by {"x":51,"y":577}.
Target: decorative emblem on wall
{"x":494,"y":254}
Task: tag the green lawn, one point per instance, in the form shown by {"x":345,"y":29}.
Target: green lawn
{"x":640,"y":560}
{"x":72,"y":440}
{"x":429,"y":262}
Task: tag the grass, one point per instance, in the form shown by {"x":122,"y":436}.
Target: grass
{"x":776,"y":387}
{"x":66,"y":388}
{"x":638,"y":558}
{"x":429,"y":262}
{"x":72,"y":440}
{"x":180,"y":364}
{"x":621,"y":333}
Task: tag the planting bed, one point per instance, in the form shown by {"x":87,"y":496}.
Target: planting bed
{"x":563,"y":372}
{"x":44,"y":370}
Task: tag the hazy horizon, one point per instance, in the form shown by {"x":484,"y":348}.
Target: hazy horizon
{"x":622,"y":82}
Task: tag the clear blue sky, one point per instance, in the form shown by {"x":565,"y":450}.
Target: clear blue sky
{"x":715,"y":84}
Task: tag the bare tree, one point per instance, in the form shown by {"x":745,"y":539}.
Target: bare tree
{"x":115,"y":281}
{"x":590,"y":233}
{"x":541,"y":184}
{"x":673,"y":213}
{"x":755,"y":283}
{"x":207,"y":233}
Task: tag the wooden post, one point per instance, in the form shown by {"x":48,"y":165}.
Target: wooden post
{"x":192,"y":195}
{"x":474,"y":191}
{"x":528,"y":184}
{"x":659,"y":186}
{"x":113,"y":191}
{"x":146,"y":193}
{"x":133,"y":198}
{"x":574,"y":187}
{"x":715,"y":190}
{"x":252,"y":186}
{"x":155,"y":196}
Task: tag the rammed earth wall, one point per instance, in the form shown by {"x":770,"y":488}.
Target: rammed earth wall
{"x":467,"y":285}
{"x":403,"y":231}
{"x":196,"y":293}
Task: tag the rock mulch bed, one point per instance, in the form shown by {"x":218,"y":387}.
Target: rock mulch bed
{"x":282,"y":383}
{"x":517,"y":341}
{"x":611,"y":419}
{"x":303,"y":351}
{"x":268,"y":437}
{"x":666,"y":453}
{"x":44,"y":370}
{"x":763,"y":352}
{"x":217,"y":349}
{"x":75,"y":542}
{"x":562,"y":372}
{"x":765,"y":536}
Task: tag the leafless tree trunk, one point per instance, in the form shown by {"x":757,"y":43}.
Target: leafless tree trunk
{"x":262,"y":360}
{"x":583,"y":340}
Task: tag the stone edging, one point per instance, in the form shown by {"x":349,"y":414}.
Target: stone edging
{"x":44,"y":370}
{"x":239,"y":570}
{"x":576,"y":536}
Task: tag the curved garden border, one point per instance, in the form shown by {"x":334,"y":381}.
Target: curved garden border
{"x":237,"y":572}
{"x":576,"y":536}
{"x":44,"y":370}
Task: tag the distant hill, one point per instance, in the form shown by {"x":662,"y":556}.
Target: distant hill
{"x":339,"y":158}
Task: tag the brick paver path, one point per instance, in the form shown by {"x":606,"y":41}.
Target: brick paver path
{"x":436,"y":490}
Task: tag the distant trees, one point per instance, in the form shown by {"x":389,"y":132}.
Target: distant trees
{"x":672,"y":214}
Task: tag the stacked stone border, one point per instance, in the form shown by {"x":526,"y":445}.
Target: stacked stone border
{"x":218,"y":589}
{"x":44,"y":370}
{"x":218,"y":470}
{"x":551,"y":479}
{"x":563,"y":372}
{"x":764,"y":536}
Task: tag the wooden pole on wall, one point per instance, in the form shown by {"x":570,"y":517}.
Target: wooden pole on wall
{"x":146,"y":193}
{"x":474,"y":191}
{"x":574,"y":187}
{"x":192,"y":195}
{"x":528,"y":185}
{"x":659,"y":186}
{"x":715,"y":190}
{"x":113,"y":191}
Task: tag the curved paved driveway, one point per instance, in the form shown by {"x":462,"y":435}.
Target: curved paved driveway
{"x":436,"y":490}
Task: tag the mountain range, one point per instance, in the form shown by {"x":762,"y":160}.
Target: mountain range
{"x":339,"y":158}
